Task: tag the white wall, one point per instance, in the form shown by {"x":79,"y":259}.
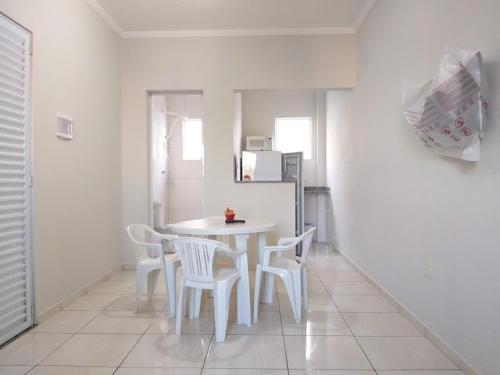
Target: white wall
{"x":338,"y":152}
{"x":76,"y":71}
{"x":218,"y":66}
{"x":398,"y":206}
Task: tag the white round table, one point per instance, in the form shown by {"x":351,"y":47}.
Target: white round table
{"x":216,"y":226}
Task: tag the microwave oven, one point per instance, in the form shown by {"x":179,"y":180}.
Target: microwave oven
{"x":259,"y":143}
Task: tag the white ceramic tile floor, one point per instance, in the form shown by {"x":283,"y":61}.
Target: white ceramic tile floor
{"x":66,"y":322}
{"x":14,"y":370}
{"x":93,"y":302}
{"x":354,"y":303}
{"x":325,"y":352}
{"x":331,"y":372}
{"x":348,"y":329}
{"x":330,"y":276}
{"x":169,"y":351}
{"x":129,"y":322}
{"x":225,"y":371}
{"x":126,"y":302}
{"x":124,"y":276}
{"x":404,"y":353}
{"x":71,"y":370}
{"x":157,"y":371}
{"x":315,"y":323}
{"x":92,"y":350}
{"x":207,"y":303}
{"x":421,"y":372}
{"x":350,"y":287}
{"x":380,"y":324}
{"x":31,"y":348}
{"x":248,"y":351}
{"x":328,"y":266}
{"x":165,"y":325}
{"x":269,"y":324}
{"x":327,"y":306}
{"x":113,"y":286}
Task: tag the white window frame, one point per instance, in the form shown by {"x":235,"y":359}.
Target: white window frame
{"x":307,"y":156}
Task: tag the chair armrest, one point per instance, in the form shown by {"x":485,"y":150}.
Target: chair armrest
{"x":165,"y":241}
{"x":228,"y":251}
{"x":156,"y":247}
{"x":286,"y":241}
{"x":270,"y":249}
{"x":231,"y":253}
{"x":165,"y":236}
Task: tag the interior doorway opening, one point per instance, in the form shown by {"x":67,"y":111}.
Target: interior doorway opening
{"x":176,"y":157}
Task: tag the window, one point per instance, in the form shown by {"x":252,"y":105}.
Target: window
{"x":294,"y":135}
{"x":192,"y":139}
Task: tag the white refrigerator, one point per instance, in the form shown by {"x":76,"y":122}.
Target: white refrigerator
{"x":261,"y":165}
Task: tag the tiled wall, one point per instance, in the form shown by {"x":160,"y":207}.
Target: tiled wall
{"x":185,"y":177}
{"x":316,"y":212}
{"x":158,"y":156}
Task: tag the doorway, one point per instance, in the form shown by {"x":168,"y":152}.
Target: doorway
{"x":176,"y":157}
{"x":16,"y":289}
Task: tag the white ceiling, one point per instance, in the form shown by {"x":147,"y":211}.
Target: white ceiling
{"x":142,"y":18}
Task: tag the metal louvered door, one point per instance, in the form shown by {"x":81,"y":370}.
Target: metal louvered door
{"x":16,"y":314}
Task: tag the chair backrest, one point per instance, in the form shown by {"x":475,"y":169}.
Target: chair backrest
{"x":306,"y":240}
{"x":197,"y":257}
{"x":141,"y":236}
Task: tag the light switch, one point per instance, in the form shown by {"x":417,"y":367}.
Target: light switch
{"x":64,"y":127}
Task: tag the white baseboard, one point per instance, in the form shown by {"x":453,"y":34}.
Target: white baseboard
{"x":433,"y":337}
{"x":52,"y":310}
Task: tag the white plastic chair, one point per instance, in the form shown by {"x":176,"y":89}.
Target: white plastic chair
{"x":198,"y":273}
{"x":293,"y":272}
{"x":150,"y":260}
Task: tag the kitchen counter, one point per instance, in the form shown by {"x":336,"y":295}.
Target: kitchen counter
{"x":317,"y":189}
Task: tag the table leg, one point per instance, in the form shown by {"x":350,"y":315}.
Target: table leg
{"x":243,"y":295}
{"x":225,"y":239}
{"x":267,"y":295}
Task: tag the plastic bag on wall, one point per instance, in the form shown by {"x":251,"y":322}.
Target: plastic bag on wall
{"x":448,"y":113}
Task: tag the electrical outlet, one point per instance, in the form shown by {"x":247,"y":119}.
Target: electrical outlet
{"x":427,"y":266}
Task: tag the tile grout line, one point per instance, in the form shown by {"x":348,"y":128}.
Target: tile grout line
{"x":143,"y":334}
{"x":282,"y":332}
{"x":126,"y":355}
{"x":347,"y":324}
{"x":71,"y":335}
{"x":210,"y":343}
{"x":100,"y":312}
{"x":158,"y":316}
{"x":442,"y":346}
{"x":208,"y":350}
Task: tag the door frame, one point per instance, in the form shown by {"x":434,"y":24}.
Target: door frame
{"x":29,"y":194}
